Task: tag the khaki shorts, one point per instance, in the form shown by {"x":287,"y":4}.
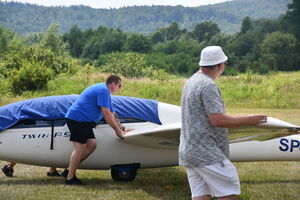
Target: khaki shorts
{"x":218,"y":180}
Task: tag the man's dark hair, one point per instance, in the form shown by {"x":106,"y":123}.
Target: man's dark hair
{"x":210,"y":66}
{"x":113,"y":79}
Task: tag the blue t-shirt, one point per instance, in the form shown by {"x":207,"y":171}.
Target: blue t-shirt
{"x":87,"y":107}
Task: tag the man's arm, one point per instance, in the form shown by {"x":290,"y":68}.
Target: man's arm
{"x":118,"y":122}
{"x":110,"y":119}
{"x":121,"y":125}
{"x":228,"y":121}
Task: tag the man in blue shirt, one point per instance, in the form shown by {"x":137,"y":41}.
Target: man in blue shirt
{"x":93,"y":104}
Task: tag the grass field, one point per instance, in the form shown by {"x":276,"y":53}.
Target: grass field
{"x":259,"y":180}
{"x":242,"y":94}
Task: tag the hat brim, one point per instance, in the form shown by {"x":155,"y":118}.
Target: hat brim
{"x":214,"y":62}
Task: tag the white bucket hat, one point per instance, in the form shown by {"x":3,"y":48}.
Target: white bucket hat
{"x":212,"y":55}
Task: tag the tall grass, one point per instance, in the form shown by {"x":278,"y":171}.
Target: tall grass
{"x":278,"y":90}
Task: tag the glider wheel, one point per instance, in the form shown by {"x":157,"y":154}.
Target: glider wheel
{"x":124,"y":172}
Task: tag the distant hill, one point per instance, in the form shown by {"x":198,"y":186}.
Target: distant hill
{"x":28,"y":18}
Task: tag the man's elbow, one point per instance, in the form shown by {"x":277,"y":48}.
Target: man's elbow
{"x":106,"y":115}
{"x":218,"y":120}
{"x":218,"y":123}
{"x":105,"y":112}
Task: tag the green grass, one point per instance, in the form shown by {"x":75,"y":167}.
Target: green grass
{"x":259,"y":180}
{"x":242,"y":94}
{"x":279,"y":90}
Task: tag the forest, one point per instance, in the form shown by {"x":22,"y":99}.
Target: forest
{"x":261,"y":46}
{"x":28,"y":18}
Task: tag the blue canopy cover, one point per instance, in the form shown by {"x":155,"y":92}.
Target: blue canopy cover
{"x":55,"y":107}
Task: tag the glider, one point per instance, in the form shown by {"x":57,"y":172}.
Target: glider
{"x":34,"y":132}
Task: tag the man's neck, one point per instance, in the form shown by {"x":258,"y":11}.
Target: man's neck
{"x":210,"y":73}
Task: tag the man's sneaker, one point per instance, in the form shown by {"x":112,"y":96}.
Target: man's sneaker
{"x":73,"y":181}
{"x":54,"y":174}
{"x":65,"y":173}
{"x":7,"y":171}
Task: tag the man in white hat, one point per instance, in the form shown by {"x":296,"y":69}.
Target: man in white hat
{"x":204,"y":148}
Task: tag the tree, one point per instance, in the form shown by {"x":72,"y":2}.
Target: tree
{"x":172,"y":31}
{"x":266,"y":25}
{"x":5,"y":37}
{"x":244,"y":44}
{"x":205,"y":31}
{"x":246,"y":25}
{"x":279,"y":52}
{"x":292,"y":18}
{"x":112,"y":42}
{"x":138,"y":43}
{"x":76,"y":40}
{"x":102,"y":41}
{"x":157,"y":37}
{"x":54,"y":40}
{"x":92,"y":48}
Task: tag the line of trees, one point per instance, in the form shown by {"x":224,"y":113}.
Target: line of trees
{"x":261,"y":46}
{"x":28,"y":18}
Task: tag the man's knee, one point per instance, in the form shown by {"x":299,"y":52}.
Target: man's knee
{"x":91,"y":144}
{"x":79,"y":147}
{"x":231,"y":197}
{"x":205,"y":197}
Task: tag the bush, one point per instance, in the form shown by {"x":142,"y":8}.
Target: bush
{"x":160,"y":75}
{"x":260,"y":68}
{"x":129,"y":65}
{"x":132,"y":65}
{"x":31,"y":76}
{"x":30,"y":67}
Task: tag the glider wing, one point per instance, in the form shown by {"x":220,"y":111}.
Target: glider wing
{"x":167,"y":136}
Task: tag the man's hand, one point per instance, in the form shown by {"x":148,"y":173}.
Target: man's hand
{"x":257,"y":119}
{"x":128,"y":130}
{"x":121,"y":134}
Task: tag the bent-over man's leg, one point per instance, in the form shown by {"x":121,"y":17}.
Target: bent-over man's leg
{"x":90,"y":148}
{"x":76,"y":158}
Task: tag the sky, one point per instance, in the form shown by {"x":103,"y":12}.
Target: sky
{"x":119,"y":3}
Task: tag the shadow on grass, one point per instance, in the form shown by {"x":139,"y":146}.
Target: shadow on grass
{"x":30,"y":181}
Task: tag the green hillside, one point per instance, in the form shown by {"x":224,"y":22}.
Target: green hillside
{"x":27,"y":18}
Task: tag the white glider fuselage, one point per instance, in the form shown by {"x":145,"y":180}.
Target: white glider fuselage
{"x":32,"y":146}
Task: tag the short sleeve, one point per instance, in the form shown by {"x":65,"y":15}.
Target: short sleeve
{"x":212,"y":100}
{"x":111,"y":107}
{"x":103,"y":98}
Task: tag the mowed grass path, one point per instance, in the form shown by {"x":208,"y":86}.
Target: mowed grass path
{"x":259,"y":180}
